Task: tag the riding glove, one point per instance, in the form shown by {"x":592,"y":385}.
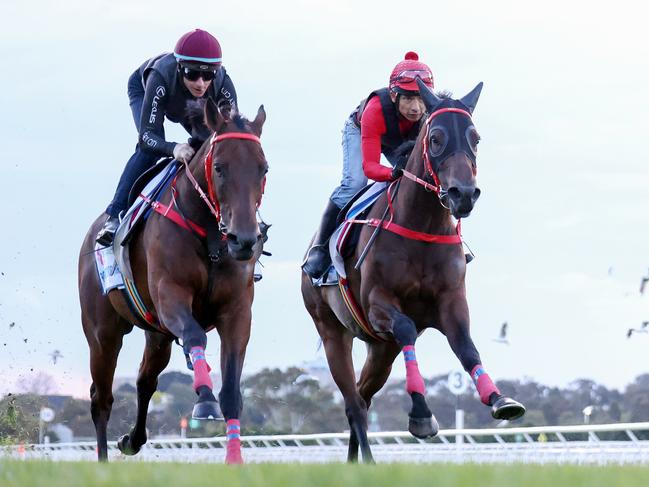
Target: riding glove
{"x":183,"y":152}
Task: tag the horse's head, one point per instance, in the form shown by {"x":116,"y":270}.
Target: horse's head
{"x":236,"y":175}
{"x":449,"y":148}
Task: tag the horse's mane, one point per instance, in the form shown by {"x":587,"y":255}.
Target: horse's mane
{"x":194,"y":111}
{"x":240,"y":121}
{"x":444,"y":94}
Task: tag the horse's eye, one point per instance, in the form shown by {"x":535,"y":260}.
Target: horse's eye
{"x":473,"y":138}
{"x":218,"y":169}
{"x":437,"y":141}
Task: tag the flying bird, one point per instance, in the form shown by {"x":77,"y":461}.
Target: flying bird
{"x":502,"y":338}
{"x":55,"y":356}
{"x":643,"y":329}
{"x":643,"y":283}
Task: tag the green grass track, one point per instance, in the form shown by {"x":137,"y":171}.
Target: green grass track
{"x":118,"y":474}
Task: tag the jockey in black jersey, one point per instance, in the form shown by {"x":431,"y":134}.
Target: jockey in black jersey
{"x":162,"y":87}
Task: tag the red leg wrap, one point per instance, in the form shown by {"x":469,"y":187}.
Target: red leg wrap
{"x":201,"y":368}
{"x":483,"y":383}
{"x":414,"y":380}
{"x":233,"y":446}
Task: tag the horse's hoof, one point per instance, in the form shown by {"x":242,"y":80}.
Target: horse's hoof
{"x":423,"y":428}
{"x":207,"y":410}
{"x":126,"y":446}
{"x":507,"y":408}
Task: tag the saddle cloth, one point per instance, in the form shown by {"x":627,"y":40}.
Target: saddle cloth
{"x":138,"y":213}
{"x":344,"y":237}
{"x":341,"y":236}
{"x":111,"y":266}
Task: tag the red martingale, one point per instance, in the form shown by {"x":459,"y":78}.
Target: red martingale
{"x":174,"y":216}
{"x":414,"y":235}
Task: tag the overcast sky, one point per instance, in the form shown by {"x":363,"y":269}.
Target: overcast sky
{"x":560,"y":232}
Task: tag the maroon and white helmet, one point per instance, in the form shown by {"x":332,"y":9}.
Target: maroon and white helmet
{"x":198,"y":48}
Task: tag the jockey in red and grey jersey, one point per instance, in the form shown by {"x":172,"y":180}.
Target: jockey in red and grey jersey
{"x":162,"y":87}
{"x":386,"y":119}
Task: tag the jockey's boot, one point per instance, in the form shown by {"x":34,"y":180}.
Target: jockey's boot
{"x":106,"y":235}
{"x":317,"y":258}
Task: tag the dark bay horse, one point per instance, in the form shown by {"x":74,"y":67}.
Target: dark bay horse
{"x":412,"y":277}
{"x":186,"y":291}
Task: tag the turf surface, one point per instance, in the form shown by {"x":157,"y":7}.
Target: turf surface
{"x":50,"y":474}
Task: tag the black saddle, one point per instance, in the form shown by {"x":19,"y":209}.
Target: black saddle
{"x":348,"y":205}
{"x":146,"y":176}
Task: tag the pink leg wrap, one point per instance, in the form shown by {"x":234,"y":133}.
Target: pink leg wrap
{"x":201,"y":369}
{"x":233,"y":446}
{"x":483,"y":383}
{"x":414,"y":380}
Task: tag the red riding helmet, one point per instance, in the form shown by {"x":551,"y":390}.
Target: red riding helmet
{"x":198,"y":48}
{"x":403,"y":79}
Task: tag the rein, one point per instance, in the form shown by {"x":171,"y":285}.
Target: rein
{"x":436,"y":187}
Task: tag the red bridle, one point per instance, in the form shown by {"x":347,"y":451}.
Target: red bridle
{"x":437,"y":186}
{"x":211,"y":199}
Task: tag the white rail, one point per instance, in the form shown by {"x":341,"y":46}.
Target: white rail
{"x":584,"y":444}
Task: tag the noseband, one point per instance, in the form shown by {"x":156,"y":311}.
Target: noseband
{"x":436,"y":187}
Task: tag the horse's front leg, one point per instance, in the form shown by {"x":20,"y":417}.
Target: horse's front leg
{"x":156,"y":357}
{"x":421,"y":422}
{"x":175,"y":311}
{"x":454,"y":323}
{"x":234,"y":330}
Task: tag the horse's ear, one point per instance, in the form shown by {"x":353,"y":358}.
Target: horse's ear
{"x":471,"y":100}
{"x":213,"y":118}
{"x":431,"y":100}
{"x":259,"y":120}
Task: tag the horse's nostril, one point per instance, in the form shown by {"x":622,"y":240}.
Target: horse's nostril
{"x":454,"y":193}
{"x":232,"y":238}
{"x":476,"y":195}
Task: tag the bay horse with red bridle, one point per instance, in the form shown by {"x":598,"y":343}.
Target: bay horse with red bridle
{"x":411,"y":278}
{"x":194,"y":273}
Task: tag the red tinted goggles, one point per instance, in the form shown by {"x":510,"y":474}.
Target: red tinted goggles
{"x":411,"y":75}
{"x":194,"y":74}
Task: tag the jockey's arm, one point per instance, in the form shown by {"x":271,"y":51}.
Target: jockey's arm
{"x":372,"y":128}
{"x":156,"y":97}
